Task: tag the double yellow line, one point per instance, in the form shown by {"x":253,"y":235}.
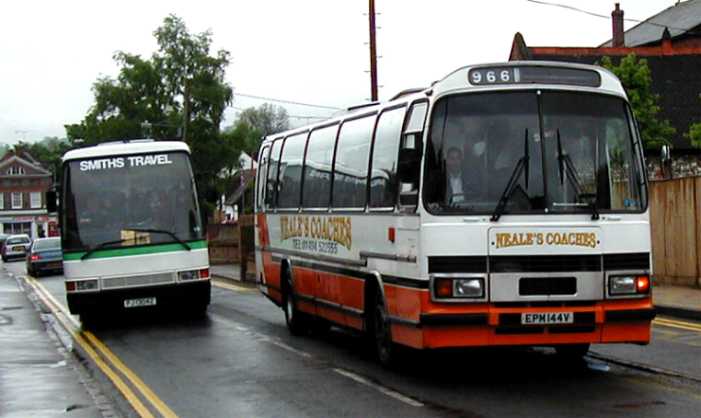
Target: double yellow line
{"x":689,"y":326}
{"x":103,"y":357}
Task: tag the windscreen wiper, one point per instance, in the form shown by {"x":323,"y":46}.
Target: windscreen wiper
{"x":100,"y":246}
{"x":521,"y":165}
{"x":161,"y":231}
{"x":567,"y":166}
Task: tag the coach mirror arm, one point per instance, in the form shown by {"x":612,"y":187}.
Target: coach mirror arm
{"x":51,"y":199}
{"x":409,"y":164}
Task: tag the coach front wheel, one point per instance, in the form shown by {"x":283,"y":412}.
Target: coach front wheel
{"x":296,"y":321}
{"x":381,"y":331}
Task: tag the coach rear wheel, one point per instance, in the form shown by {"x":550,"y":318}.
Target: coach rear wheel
{"x":297,"y":322}
{"x":572,"y":351}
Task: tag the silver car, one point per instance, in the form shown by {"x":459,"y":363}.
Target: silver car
{"x":16,"y":246}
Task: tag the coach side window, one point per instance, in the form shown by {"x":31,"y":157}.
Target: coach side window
{"x":383,"y":180}
{"x":271,"y":185}
{"x":317,"y":168}
{"x":262,"y":171}
{"x":290,"y":177}
{"x":351,"y":167}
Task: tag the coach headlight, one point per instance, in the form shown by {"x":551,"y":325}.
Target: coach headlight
{"x":85,"y":285}
{"x":468,"y":288}
{"x":629,"y":284}
{"x":454,"y":287}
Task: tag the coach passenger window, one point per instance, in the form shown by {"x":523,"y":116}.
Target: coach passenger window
{"x":262,"y":169}
{"x":290,"y":177}
{"x":351,"y":167}
{"x":271,"y":184}
{"x":383,"y":181}
{"x":317,"y":169}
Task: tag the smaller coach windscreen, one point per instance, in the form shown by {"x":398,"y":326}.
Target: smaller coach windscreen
{"x":129,"y":200}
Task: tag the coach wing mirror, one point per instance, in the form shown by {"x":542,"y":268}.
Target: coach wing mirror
{"x":51,"y":198}
{"x":665,"y":154}
{"x":409,"y":165}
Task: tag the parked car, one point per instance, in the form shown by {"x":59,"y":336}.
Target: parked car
{"x":16,"y":246}
{"x":45,"y":255}
{"x":3,"y":237}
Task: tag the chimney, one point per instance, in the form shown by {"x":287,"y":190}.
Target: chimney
{"x":617,"y":19}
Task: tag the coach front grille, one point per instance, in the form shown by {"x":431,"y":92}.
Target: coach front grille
{"x":134,"y":281}
{"x":544,"y":263}
{"x":628,"y":261}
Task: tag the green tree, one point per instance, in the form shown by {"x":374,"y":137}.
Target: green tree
{"x":180,"y":92}
{"x":267,"y":119}
{"x":636,"y":78}
{"x":694,"y":133}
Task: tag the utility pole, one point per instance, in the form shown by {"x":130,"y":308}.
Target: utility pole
{"x":373,"y":53}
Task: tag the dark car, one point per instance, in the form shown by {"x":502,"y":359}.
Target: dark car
{"x":45,"y":255}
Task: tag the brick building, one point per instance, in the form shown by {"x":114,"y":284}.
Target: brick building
{"x":670,"y":41}
{"x":23,"y":183}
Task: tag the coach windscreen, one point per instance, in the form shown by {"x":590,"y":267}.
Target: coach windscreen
{"x":129,"y":200}
{"x":540,"y":152}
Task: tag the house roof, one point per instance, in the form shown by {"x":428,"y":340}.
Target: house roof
{"x":678,"y":19}
{"x":25,"y":159}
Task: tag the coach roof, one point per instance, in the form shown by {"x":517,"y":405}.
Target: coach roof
{"x":124,"y":148}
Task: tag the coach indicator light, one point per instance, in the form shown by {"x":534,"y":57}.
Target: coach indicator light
{"x":642,"y":284}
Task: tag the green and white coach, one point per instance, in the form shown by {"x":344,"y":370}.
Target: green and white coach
{"x":131,"y":228}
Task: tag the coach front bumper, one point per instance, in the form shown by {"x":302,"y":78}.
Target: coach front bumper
{"x":176,"y":296}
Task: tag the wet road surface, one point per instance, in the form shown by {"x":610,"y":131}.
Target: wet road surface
{"x":240,"y":361}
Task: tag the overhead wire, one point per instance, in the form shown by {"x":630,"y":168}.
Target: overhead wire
{"x":272,"y":99}
{"x":241,"y":109}
{"x":577,"y":9}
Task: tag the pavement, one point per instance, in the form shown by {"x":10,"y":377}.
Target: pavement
{"x":679,"y":301}
{"x":226,"y":271}
{"x":38,"y":376}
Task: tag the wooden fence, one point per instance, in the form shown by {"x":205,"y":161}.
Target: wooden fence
{"x":675,"y":212}
{"x":234,"y":244}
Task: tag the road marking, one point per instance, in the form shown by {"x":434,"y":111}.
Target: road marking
{"x":690,"y":326}
{"x":130,"y":396}
{"x":231,"y":286}
{"x":387,"y":391}
{"x":80,"y":336}
{"x":261,"y":337}
{"x":136,"y":380}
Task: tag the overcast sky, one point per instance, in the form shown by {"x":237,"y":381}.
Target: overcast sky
{"x":311,"y":51}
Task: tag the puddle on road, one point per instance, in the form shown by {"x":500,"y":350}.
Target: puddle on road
{"x":598,"y":366}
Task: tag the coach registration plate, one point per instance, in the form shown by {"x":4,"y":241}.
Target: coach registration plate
{"x":137,"y":303}
{"x":545,"y":318}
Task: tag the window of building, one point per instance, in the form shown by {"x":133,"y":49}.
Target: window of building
{"x":16,"y":200}
{"x":2,"y":200}
{"x":35,"y":200}
{"x":317,"y":169}
{"x":290,"y":177}
{"x":18,"y":228}
{"x":15,"y":170}
{"x":383,"y":181}
{"x":351,"y":166}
